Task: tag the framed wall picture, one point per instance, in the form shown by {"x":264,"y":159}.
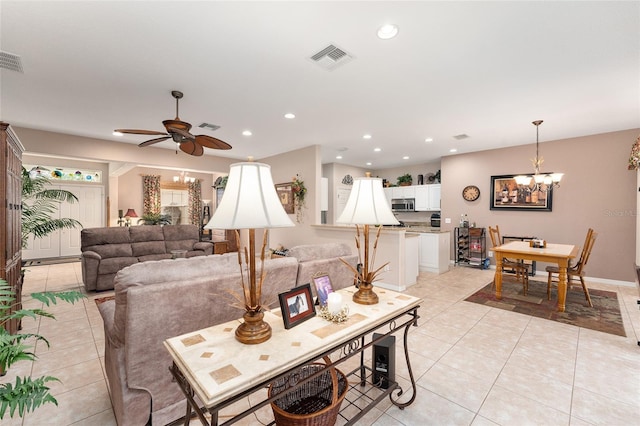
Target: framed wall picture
{"x":323,"y":287}
{"x":296,"y":305}
{"x":506,"y":194}
{"x":285,"y":194}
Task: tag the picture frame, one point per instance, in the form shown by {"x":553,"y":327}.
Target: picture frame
{"x":507,"y":195}
{"x":285,"y":194}
{"x":322,"y":282}
{"x":297,"y":305}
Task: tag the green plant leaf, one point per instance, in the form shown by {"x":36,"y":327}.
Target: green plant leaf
{"x":26,"y":395}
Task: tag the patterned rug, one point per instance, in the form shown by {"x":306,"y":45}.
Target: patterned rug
{"x":100,"y":300}
{"x":604,"y":316}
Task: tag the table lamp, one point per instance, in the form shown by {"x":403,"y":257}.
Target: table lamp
{"x":128,"y":215}
{"x":367,"y":205}
{"x":250,"y":201}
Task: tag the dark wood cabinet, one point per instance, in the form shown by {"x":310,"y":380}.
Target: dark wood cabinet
{"x":10,"y":214}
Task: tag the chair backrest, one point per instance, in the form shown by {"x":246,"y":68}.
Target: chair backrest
{"x":586,"y":251}
{"x":494,"y":233}
{"x":585,"y":246}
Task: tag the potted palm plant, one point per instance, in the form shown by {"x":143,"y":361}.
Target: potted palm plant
{"x":405,"y":180}
{"x":39,"y":203}
{"x":26,"y":393}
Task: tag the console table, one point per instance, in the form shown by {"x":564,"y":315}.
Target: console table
{"x":212,"y":367}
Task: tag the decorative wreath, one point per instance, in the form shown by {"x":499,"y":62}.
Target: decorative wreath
{"x":634,"y":158}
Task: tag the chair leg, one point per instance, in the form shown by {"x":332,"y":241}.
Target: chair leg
{"x":586,"y":292}
{"x":525,"y":282}
{"x":549,"y":287}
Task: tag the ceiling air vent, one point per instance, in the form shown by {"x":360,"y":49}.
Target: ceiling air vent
{"x":11,"y":62}
{"x":209,"y":126}
{"x":461,"y":136}
{"x":331,"y":57}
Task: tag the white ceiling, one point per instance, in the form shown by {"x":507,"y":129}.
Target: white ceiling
{"x":485,"y":69}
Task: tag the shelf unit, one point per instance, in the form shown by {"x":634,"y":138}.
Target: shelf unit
{"x":471,"y":247}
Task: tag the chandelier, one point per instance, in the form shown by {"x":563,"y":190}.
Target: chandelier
{"x":541,"y":181}
{"x":184,"y":178}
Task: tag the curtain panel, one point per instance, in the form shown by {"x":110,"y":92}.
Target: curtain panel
{"x":151,"y":194}
{"x":195,"y":202}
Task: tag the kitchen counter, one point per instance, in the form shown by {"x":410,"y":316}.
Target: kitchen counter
{"x":427,"y":229}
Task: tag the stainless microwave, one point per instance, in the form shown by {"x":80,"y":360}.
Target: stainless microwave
{"x":403,"y":204}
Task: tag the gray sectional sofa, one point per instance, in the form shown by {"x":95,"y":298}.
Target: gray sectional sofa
{"x":157,"y":300}
{"x":105,"y":251}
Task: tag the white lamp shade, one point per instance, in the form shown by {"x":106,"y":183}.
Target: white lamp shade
{"x":367,"y":204}
{"x":250,"y":200}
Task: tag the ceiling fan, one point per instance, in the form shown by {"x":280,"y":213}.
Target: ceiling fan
{"x":179,"y":131}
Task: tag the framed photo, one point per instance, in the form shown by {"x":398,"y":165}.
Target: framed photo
{"x":285,"y":194}
{"x":323,"y":287}
{"x":507,"y":195}
{"x":297,"y":305}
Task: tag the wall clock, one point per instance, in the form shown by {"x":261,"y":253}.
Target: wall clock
{"x":471,"y":193}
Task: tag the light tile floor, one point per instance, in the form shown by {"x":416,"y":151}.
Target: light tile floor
{"x":474,"y":365}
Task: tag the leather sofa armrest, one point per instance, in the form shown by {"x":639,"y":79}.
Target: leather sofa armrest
{"x":91,"y":255}
{"x":205,"y":246}
{"x":107,"y":311}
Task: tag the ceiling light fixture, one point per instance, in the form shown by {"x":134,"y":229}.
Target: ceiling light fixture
{"x":368,"y":163}
{"x":428,"y":140}
{"x":406,"y":157}
{"x":290,"y":116}
{"x":117,"y":133}
{"x":541,"y":181}
{"x":367,"y":136}
{"x":338,"y":157}
{"x":387,"y":31}
{"x":184,"y":178}
{"x":377,"y":149}
{"x":453,"y":150}
{"x":247,"y":133}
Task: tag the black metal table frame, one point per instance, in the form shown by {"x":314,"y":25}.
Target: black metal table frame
{"x":346,"y":350}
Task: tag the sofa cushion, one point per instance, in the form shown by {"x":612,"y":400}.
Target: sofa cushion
{"x":114,"y":264}
{"x":145,"y":233}
{"x":99,"y":236}
{"x":148,"y":247}
{"x":181,"y":232}
{"x":160,"y":256}
{"x":305,"y":253}
{"x":107,"y":251}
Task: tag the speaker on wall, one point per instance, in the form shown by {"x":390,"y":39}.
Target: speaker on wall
{"x":384,"y":361}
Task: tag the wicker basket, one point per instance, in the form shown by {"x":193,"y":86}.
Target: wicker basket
{"x":316,"y":402}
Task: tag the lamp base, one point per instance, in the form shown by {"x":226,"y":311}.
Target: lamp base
{"x":365,"y":294}
{"x":254,"y":329}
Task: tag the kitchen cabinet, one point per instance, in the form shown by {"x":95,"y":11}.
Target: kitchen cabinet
{"x":427,"y":198}
{"x":404,"y":192}
{"x":434,"y":252}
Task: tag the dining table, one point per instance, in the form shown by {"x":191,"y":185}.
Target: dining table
{"x":560,"y":254}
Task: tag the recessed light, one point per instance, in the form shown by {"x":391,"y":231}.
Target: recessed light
{"x":116,"y":134}
{"x":367,"y":136}
{"x":289,"y":116}
{"x":428,"y":140}
{"x":247,"y":133}
{"x":377,"y":149}
{"x":338,"y":157}
{"x":368,"y":163}
{"x":387,"y":31}
{"x":453,"y":150}
{"x":406,"y":157}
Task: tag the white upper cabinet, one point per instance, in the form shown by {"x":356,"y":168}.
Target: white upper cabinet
{"x":427,"y":197}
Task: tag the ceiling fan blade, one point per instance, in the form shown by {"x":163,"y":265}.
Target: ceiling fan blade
{"x":211,"y":142}
{"x":182,"y":133}
{"x":191,"y":148}
{"x":140,"y":132}
{"x":152,"y":141}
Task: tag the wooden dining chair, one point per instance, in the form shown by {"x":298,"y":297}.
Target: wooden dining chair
{"x":576,"y":270}
{"x":520,"y":268}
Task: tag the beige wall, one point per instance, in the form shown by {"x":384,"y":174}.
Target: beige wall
{"x":597,"y":191}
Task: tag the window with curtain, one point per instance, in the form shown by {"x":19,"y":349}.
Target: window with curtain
{"x":151,"y":194}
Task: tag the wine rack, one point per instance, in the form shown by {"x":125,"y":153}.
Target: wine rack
{"x":471,"y":247}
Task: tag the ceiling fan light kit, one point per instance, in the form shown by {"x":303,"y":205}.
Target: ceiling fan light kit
{"x":179,"y":132}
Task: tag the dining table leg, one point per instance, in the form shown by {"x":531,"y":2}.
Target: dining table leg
{"x":562,"y":283}
{"x":498,"y":277}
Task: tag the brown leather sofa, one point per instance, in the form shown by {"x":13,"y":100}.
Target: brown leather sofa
{"x":158,"y":300}
{"x":105,"y":251}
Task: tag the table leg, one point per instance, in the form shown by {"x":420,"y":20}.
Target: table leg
{"x":498,"y":277}
{"x":562,"y":284}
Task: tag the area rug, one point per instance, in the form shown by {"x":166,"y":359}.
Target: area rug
{"x":604,"y":316}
